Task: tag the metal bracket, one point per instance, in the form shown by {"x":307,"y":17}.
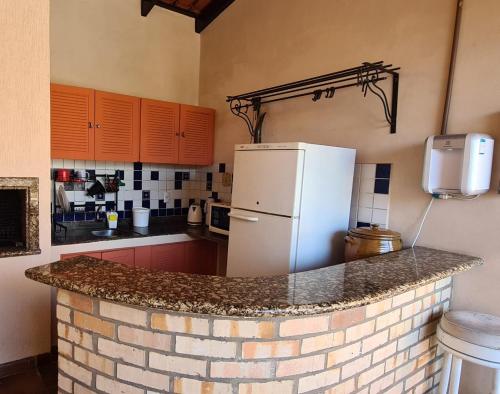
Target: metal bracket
{"x":324,"y":86}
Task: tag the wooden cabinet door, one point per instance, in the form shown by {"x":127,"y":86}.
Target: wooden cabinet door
{"x":201,"y":257}
{"x":117,"y":127}
{"x":143,"y":257}
{"x":67,"y":256}
{"x":196,"y":144}
{"x":71,"y":122}
{"x":168,"y":257}
{"x":123,"y":256}
{"x":159,"y":132}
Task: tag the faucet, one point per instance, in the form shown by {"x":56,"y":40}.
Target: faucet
{"x":97,"y":214}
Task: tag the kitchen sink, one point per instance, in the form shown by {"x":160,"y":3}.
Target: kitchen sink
{"x":108,"y":233}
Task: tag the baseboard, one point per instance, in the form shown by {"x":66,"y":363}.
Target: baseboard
{"x":27,"y":364}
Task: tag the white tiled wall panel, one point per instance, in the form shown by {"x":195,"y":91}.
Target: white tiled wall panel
{"x":370,"y":195}
{"x":170,"y":187}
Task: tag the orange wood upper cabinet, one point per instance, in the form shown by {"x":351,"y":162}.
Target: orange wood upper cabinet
{"x":117,"y":127}
{"x":72,"y":118}
{"x":159,"y":131}
{"x":197,"y":135}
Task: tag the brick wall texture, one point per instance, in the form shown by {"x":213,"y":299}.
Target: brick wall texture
{"x":384,"y":347}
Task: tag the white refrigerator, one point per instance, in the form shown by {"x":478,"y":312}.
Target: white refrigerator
{"x":290,"y":207}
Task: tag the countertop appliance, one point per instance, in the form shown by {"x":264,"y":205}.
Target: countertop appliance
{"x":195,"y":215}
{"x":218,"y":217}
{"x":290,"y":207}
{"x":140,"y":217}
{"x":458,"y":164}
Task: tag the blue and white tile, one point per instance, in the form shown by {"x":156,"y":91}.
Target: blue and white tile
{"x":80,"y":196}
{"x":365,"y":200}
{"x":100,"y":165}
{"x":380,"y":201}
{"x":367,"y":185}
{"x":153,"y":204}
{"x":129,"y":175}
{"x":154,"y":194}
{"x":365,"y":215}
{"x":71,"y":195}
{"x":370,"y":196}
{"x":79,"y":164}
{"x":368,"y":171}
{"x":380,"y":217}
{"x":162,"y":174}
{"x":68,"y":164}
{"x":57,"y":163}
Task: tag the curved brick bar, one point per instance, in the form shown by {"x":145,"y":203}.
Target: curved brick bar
{"x":386,"y":345}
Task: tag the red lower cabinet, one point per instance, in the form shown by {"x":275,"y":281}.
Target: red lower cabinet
{"x":168,"y":257}
{"x":201,"y":257}
{"x":123,"y":256}
{"x":96,"y":255}
{"x":193,"y":257}
{"x":143,"y":257}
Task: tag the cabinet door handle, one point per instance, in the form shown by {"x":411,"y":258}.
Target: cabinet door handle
{"x":177,"y":134}
{"x":183,"y":135}
{"x":97,"y":125}
{"x":242,"y":217}
{"x":91,"y":125}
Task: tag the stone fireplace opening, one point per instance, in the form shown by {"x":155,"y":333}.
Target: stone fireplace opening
{"x":13,"y":218}
{"x":19,"y":216}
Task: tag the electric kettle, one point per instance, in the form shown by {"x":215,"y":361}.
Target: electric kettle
{"x":195,"y":215}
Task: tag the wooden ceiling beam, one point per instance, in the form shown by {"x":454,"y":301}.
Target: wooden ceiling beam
{"x":202,"y":20}
{"x":212,"y":11}
{"x":146,"y":7}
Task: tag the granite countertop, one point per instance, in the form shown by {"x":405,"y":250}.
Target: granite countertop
{"x":78,"y":233}
{"x":322,"y":290}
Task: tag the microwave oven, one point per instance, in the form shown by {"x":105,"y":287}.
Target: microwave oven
{"x":218,"y":218}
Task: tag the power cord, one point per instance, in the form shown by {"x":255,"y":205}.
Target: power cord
{"x":440,"y":197}
{"x":423,"y":221}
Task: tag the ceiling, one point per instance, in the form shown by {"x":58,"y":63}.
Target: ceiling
{"x":203,"y":11}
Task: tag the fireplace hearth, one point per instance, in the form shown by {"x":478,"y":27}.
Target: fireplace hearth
{"x":19,"y":233}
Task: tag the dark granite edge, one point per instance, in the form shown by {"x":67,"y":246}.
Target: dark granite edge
{"x":16,"y":253}
{"x":252,"y":310}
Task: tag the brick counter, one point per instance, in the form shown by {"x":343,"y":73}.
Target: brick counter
{"x":385,"y":346}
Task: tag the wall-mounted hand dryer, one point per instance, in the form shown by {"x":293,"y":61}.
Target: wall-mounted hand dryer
{"x":458,"y":164}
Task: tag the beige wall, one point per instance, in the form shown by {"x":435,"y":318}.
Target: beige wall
{"x":258,"y":43}
{"x":24,"y":151}
{"x":109,"y":46}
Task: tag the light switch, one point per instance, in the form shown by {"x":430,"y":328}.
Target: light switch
{"x":227,"y":179}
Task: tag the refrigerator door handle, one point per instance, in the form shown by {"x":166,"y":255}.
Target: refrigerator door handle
{"x":245,"y":218}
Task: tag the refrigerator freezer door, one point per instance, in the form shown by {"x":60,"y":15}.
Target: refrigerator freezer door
{"x":261,"y":244}
{"x":268,"y":181}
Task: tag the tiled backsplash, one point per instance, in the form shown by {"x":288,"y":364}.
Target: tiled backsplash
{"x":370,"y":195}
{"x":145,"y":186}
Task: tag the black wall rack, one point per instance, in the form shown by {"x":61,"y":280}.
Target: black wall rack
{"x":248,"y":106}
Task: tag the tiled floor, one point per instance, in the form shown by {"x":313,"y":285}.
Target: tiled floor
{"x":40,"y":381}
